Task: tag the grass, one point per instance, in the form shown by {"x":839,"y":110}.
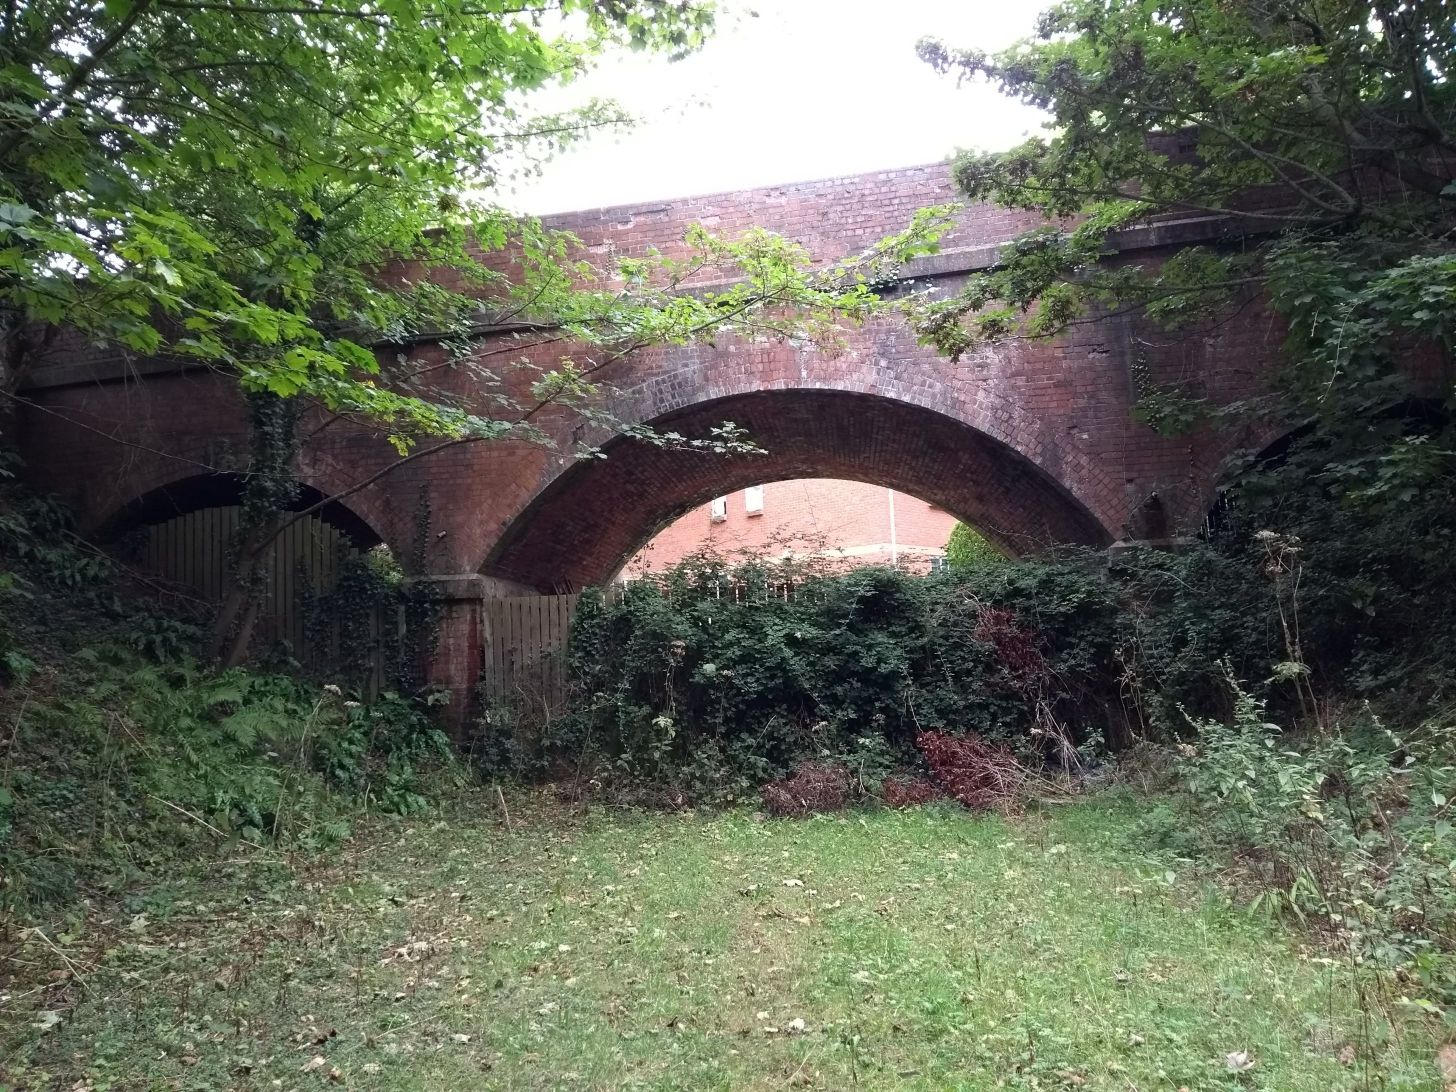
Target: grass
{"x":929,"y":949}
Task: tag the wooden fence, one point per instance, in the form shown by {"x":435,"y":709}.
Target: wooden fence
{"x":523,"y":640}
{"x":191,"y":551}
{"x":524,"y":649}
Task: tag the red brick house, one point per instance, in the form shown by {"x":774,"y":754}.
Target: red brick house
{"x":853,"y":522}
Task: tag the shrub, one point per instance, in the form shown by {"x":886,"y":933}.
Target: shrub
{"x":753,"y":670}
{"x":1349,"y":826}
{"x":812,"y":788}
{"x":118,"y":767}
{"x":967,"y":548}
{"x":908,"y":791}
{"x":983,"y":776}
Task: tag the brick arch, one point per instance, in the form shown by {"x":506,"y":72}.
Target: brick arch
{"x":585,"y":523}
{"x":987,"y":391}
{"x":177,"y":494}
{"x":1223,"y":460}
{"x":1256,"y":442}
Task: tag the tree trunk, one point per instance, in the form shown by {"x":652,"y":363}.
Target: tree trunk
{"x":268,"y":492}
{"x":237,"y":615}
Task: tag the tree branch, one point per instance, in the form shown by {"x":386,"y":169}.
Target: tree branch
{"x":79,"y":74}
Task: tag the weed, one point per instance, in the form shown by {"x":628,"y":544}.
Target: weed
{"x":982,"y":776}
{"x":813,"y":788}
{"x":116,"y":767}
{"x":1348,"y":828}
{"x":908,"y":791}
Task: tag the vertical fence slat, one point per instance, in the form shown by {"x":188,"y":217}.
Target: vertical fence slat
{"x":187,"y":538}
{"x":531,"y":654}
{"x":524,"y":651}
{"x":502,"y":645}
{"x":204,"y":576}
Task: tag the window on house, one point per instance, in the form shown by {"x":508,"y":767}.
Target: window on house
{"x":753,"y":500}
{"x":719,"y":511}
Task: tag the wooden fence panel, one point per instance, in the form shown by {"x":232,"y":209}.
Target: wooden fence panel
{"x":524,"y":642}
{"x":524,"y":637}
{"x":192,"y":551}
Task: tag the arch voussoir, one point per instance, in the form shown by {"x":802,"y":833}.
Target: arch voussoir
{"x":584,"y":523}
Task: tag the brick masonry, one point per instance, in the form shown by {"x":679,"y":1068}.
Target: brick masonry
{"x":1031,"y":442}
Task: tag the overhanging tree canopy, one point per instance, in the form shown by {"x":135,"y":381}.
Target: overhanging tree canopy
{"x":1321,"y":132}
{"x":217,"y":179}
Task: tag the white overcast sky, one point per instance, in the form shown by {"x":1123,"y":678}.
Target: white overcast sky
{"x":807,"y":89}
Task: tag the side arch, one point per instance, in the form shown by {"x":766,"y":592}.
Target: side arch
{"x":181,"y":533}
{"x":185,"y":495}
{"x":581,"y":527}
{"x":1268,"y":444}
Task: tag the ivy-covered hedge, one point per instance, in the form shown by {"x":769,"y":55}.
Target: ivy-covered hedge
{"x":1308,"y":595}
{"x":733,"y":675}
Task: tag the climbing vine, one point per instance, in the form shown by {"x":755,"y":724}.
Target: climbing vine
{"x":269,"y":489}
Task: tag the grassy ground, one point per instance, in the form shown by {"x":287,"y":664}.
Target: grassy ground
{"x":929,"y":949}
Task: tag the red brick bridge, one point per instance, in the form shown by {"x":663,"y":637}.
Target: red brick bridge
{"x":1031,"y":442}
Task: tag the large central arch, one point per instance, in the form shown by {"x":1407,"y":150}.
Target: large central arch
{"x":581,"y":527}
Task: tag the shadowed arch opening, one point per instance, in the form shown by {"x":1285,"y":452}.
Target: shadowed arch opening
{"x":181,"y":535}
{"x":581,"y":527}
{"x":1407,"y":416}
{"x":188,"y":495}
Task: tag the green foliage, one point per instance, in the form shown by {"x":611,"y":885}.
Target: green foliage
{"x":715,"y":679}
{"x":1365,"y":507}
{"x":1314,"y":135}
{"x":1312,"y":587}
{"x":226,"y":182}
{"x":132,"y":764}
{"x":1286,"y":121}
{"x":161,"y":637}
{"x":219,"y":179}
{"x":120,"y":755}
{"x":372,"y":615}
{"x":1350,"y":826}
{"x":1184,"y":614}
{"x":967,"y":548}
{"x":1324,"y":574}
{"x":36,"y":535}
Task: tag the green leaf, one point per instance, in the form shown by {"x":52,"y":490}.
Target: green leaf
{"x":13,"y":215}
